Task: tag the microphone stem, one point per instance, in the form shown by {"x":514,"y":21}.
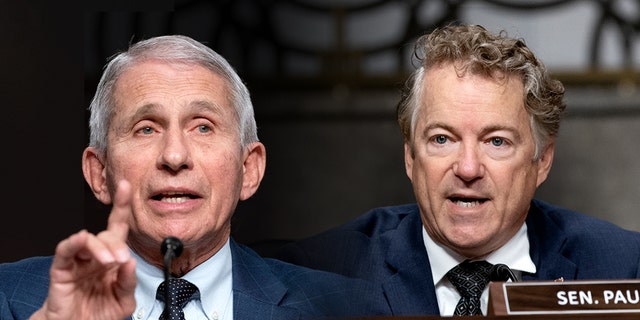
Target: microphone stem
{"x":168,"y":256}
{"x":171,"y":247}
{"x":511,"y":275}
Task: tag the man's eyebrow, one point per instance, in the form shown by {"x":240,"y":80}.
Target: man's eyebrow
{"x":144,"y":110}
{"x":198,"y":105}
{"x":436,"y":125}
{"x":206,"y":106}
{"x":202,"y":106}
{"x":141,"y":112}
{"x":494,"y":128}
{"x":485,"y":130}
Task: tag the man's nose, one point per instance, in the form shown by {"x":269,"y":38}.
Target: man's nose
{"x":175,"y":153}
{"x":468,"y":164}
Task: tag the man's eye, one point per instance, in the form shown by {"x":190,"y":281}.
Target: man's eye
{"x":146,"y":130}
{"x":204,"y":129}
{"x":497,"y":141}
{"x":440,"y":139}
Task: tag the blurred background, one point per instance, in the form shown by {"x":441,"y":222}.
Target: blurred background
{"x":324,"y":77}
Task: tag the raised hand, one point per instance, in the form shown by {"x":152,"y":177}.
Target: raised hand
{"x":93,"y":276}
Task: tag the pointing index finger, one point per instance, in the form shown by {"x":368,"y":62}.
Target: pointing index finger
{"x":118,"y":222}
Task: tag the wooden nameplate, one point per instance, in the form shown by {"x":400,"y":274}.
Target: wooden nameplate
{"x":566,"y":297}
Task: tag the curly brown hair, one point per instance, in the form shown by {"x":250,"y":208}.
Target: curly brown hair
{"x":474,"y":49}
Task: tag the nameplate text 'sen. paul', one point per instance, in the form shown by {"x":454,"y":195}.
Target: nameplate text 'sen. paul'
{"x":567,"y":297}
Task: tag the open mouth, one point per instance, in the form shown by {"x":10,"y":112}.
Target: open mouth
{"x":174,"y":197}
{"x":467,"y":202}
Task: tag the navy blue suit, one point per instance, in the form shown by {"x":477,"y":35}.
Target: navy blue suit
{"x":385,"y":245}
{"x":262,"y":289}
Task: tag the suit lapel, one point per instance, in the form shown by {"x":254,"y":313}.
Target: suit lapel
{"x":257,"y":293}
{"x":546,"y":242}
{"x":248,"y":307}
{"x":409,"y":286}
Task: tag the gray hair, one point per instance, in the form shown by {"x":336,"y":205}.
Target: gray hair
{"x":172,"y":49}
{"x":476,"y":50}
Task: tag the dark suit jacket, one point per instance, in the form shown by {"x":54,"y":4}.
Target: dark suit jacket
{"x":262,"y":289}
{"x":385,"y":245}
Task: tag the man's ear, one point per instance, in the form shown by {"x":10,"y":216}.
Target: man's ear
{"x":255,"y":162}
{"x":95,"y":174}
{"x":545,"y":161}
{"x":408,"y":160}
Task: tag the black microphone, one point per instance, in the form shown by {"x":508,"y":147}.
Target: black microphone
{"x":171,"y":248}
{"x":501,"y":272}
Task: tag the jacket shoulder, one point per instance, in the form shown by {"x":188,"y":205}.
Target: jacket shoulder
{"x":357,"y":248}
{"x":380,"y":220}
{"x":311,"y":292}
{"x":32,"y":271}
{"x":578,"y":225}
{"x":328,"y":293}
{"x":589,"y":243}
{"x":24,"y":285}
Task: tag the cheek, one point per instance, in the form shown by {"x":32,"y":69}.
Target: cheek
{"x":518,"y":188}
{"x":132,"y":166}
{"x":126,"y":168}
{"x":523,"y":178}
{"x":224,"y":173}
{"x":430,"y":170}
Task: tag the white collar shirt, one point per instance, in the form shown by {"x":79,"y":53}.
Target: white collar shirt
{"x":515,"y":254}
{"x":213,"y":278}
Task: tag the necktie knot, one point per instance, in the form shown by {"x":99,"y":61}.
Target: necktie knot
{"x":470,"y":278}
{"x":179,"y":292}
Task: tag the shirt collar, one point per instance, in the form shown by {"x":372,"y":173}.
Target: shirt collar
{"x":149,"y":278}
{"x":213,"y":278}
{"x":515,"y":254}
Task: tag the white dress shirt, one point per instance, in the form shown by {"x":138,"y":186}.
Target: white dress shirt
{"x":515,"y":254}
{"x":213,"y":278}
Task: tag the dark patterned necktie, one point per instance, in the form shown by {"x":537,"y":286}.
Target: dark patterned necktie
{"x":469,"y":278}
{"x":180,"y":292}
